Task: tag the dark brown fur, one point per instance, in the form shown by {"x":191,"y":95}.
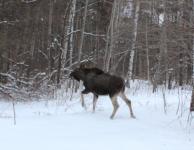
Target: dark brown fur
{"x":100,"y":83}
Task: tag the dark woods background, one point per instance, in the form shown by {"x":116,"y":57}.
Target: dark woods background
{"x":42,"y":40}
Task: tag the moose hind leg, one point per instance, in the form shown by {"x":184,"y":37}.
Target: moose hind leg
{"x":95,"y":98}
{"x":128,"y":102}
{"x":85,"y":91}
{"x":115,"y":106}
{"x":82,"y":100}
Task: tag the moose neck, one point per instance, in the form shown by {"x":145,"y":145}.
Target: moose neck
{"x":82,"y":77}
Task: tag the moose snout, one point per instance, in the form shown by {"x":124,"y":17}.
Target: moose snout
{"x":71,"y":75}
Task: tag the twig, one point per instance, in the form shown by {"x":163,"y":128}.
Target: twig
{"x":164,"y":100}
{"x":13,"y":104}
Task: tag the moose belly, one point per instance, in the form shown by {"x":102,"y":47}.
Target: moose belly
{"x":100,"y":91}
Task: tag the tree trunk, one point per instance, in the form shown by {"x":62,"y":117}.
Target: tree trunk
{"x":164,"y":44}
{"x":65,"y":43}
{"x":192,"y":101}
{"x":59,"y":68}
{"x":147,"y":53}
{"x":50,"y":21}
{"x":132,"y":54}
{"x":72,"y":16}
{"x":82,"y":32}
{"x":111,"y":38}
{"x":192,"y":97}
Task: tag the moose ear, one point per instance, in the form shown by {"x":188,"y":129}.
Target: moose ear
{"x":98,"y":71}
{"x":74,"y":76}
{"x":71,"y":74}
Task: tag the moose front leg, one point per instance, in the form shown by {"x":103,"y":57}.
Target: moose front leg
{"x":115,"y":106}
{"x":85,"y":91}
{"x":95,"y":98}
{"x":82,"y":101}
{"x":128,"y":102}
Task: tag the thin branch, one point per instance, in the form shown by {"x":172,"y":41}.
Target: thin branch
{"x":28,"y":1}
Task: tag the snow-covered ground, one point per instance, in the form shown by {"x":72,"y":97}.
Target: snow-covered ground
{"x":62,"y":125}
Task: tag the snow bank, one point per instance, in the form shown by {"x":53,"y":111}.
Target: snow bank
{"x":60,"y":124}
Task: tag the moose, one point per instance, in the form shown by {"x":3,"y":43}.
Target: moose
{"x":98,"y":82}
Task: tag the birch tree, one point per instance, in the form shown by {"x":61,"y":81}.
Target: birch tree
{"x":82,"y":32}
{"x":147,"y":52}
{"x":72,"y":16}
{"x":66,"y":33}
{"x":192,"y":96}
{"x":132,"y":53}
{"x":110,"y":37}
{"x":163,"y":45}
{"x":50,"y":21}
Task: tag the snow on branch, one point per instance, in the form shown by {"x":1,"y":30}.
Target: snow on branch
{"x":7,"y":75}
{"x":92,"y":34}
{"x":14,"y":79}
{"x":28,"y":1}
{"x":9,"y":22}
{"x":86,"y":33}
{"x":128,"y":9}
{"x":1,"y":22}
{"x":43,"y":54}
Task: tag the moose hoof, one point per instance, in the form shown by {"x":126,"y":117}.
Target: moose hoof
{"x":132,"y":116}
{"x":111,"y":117}
{"x":83,"y":105}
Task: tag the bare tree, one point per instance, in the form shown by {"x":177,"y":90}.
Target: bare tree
{"x":72,"y":17}
{"x":49,"y":47}
{"x":82,"y":32}
{"x":132,"y":54}
{"x":110,"y":36}
{"x":192,"y":96}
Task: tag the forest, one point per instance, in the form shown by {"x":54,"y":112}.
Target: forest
{"x":42,"y":40}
